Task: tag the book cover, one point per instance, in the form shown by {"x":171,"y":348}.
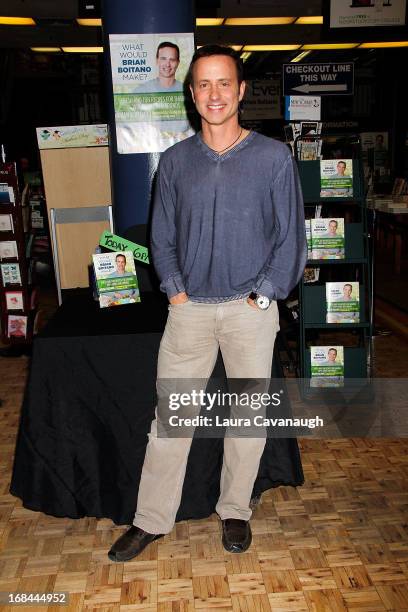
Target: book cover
{"x":116,"y":278}
{"x":342,"y":302}
{"x":327,"y":238}
{"x":336,"y":178}
{"x":6,"y":223}
{"x":14,"y":300}
{"x":327,"y":366}
{"x":308,"y":150}
{"x":4,"y":193}
{"x":309,"y":128}
{"x":10,"y":274}
{"x":311,"y":275}
{"x":17,"y":326}
{"x":308,"y":231}
{"x":8,"y":249}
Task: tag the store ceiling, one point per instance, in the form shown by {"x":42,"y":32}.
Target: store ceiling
{"x":56,"y":25}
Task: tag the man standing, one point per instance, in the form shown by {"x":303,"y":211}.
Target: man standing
{"x":167,"y":62}
{"x":228,"y":240}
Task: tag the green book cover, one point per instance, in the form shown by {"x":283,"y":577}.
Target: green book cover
{"x":336,"y":178}
{"x":343,"y":302}
{"x":116,"y":278}
{"x":327,"y":366}
{"x":327,"y":238}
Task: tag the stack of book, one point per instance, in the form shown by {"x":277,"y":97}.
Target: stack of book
{"x":304,"y":139}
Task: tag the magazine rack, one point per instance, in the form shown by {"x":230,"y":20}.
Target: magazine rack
{"x":354,"y":267}
{"x":17,"y":295}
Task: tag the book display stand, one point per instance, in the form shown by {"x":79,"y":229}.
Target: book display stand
{"x":18,"y":301}
{"x":353,"y":267}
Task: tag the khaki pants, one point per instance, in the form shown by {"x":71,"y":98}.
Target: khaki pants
{"x":189,"y":349}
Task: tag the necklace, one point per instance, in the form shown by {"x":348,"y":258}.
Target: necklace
{"x":230,"y":145}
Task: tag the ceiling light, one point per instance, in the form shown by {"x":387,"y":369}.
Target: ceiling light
{"x":301,"y":56}
{"x":82,"y":49}
{"x":256,"y":21}
{"x":246,"y":55}
{"x":89,"y":22}
{"x":271,"y":47}
{"x":209,"y":21}
{"x":383,"y":45}
{"x":46,"y":49}
{"x":21,"y":21}
{"x":310,"y":20}
{"x":330,"y":46}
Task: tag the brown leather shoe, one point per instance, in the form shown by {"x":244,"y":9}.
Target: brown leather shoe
{"x":130,"y":544}
{"x":236,"y":535}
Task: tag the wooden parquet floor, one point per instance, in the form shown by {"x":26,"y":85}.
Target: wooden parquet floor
{"x":338,"y":543}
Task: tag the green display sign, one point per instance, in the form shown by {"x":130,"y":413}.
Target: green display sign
{"x":117,"y":243}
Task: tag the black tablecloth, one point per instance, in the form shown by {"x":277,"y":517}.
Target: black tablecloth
{"x":87,"y":411}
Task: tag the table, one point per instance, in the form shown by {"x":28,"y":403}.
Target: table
{"x":87,"y":411}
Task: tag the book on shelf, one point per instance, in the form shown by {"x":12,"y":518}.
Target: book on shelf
{"x":17,"y":326}
{"x":14,"y":300}
{"x":311,"y":275}
{"x":308,"y":150}
{"x":308,"y":230}
{"x":343,"y":302}
{"x":6,"y":223}
{"x":7,"y":194}
{"x":336,"y":178}
{"x":310,"y":128}
{"x":327,"y":238}
{"x":10,"y":274}
{"x":327,"y":366}
{"x":304,"y":137}
{"x":116,"y":278}
{"x":8,"y":249}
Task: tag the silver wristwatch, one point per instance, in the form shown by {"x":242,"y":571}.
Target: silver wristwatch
{"x":261,"y":301}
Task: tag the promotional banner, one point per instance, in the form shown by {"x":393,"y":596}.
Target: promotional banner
{"x":63,"y":136}
{"x":367,"y":13}
{"x":148,"y":75}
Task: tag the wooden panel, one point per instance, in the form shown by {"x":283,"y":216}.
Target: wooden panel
{"x":77,"y":178}
{"x":74,"y":178}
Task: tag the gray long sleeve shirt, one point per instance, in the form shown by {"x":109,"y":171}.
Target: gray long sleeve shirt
{"x":226,"y":225}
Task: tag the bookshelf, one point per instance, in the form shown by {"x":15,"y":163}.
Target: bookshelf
{"x":18,"y":297}
{"x":355,"y":337}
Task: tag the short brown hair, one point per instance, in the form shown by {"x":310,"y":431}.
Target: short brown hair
{"x":210,"y":50}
